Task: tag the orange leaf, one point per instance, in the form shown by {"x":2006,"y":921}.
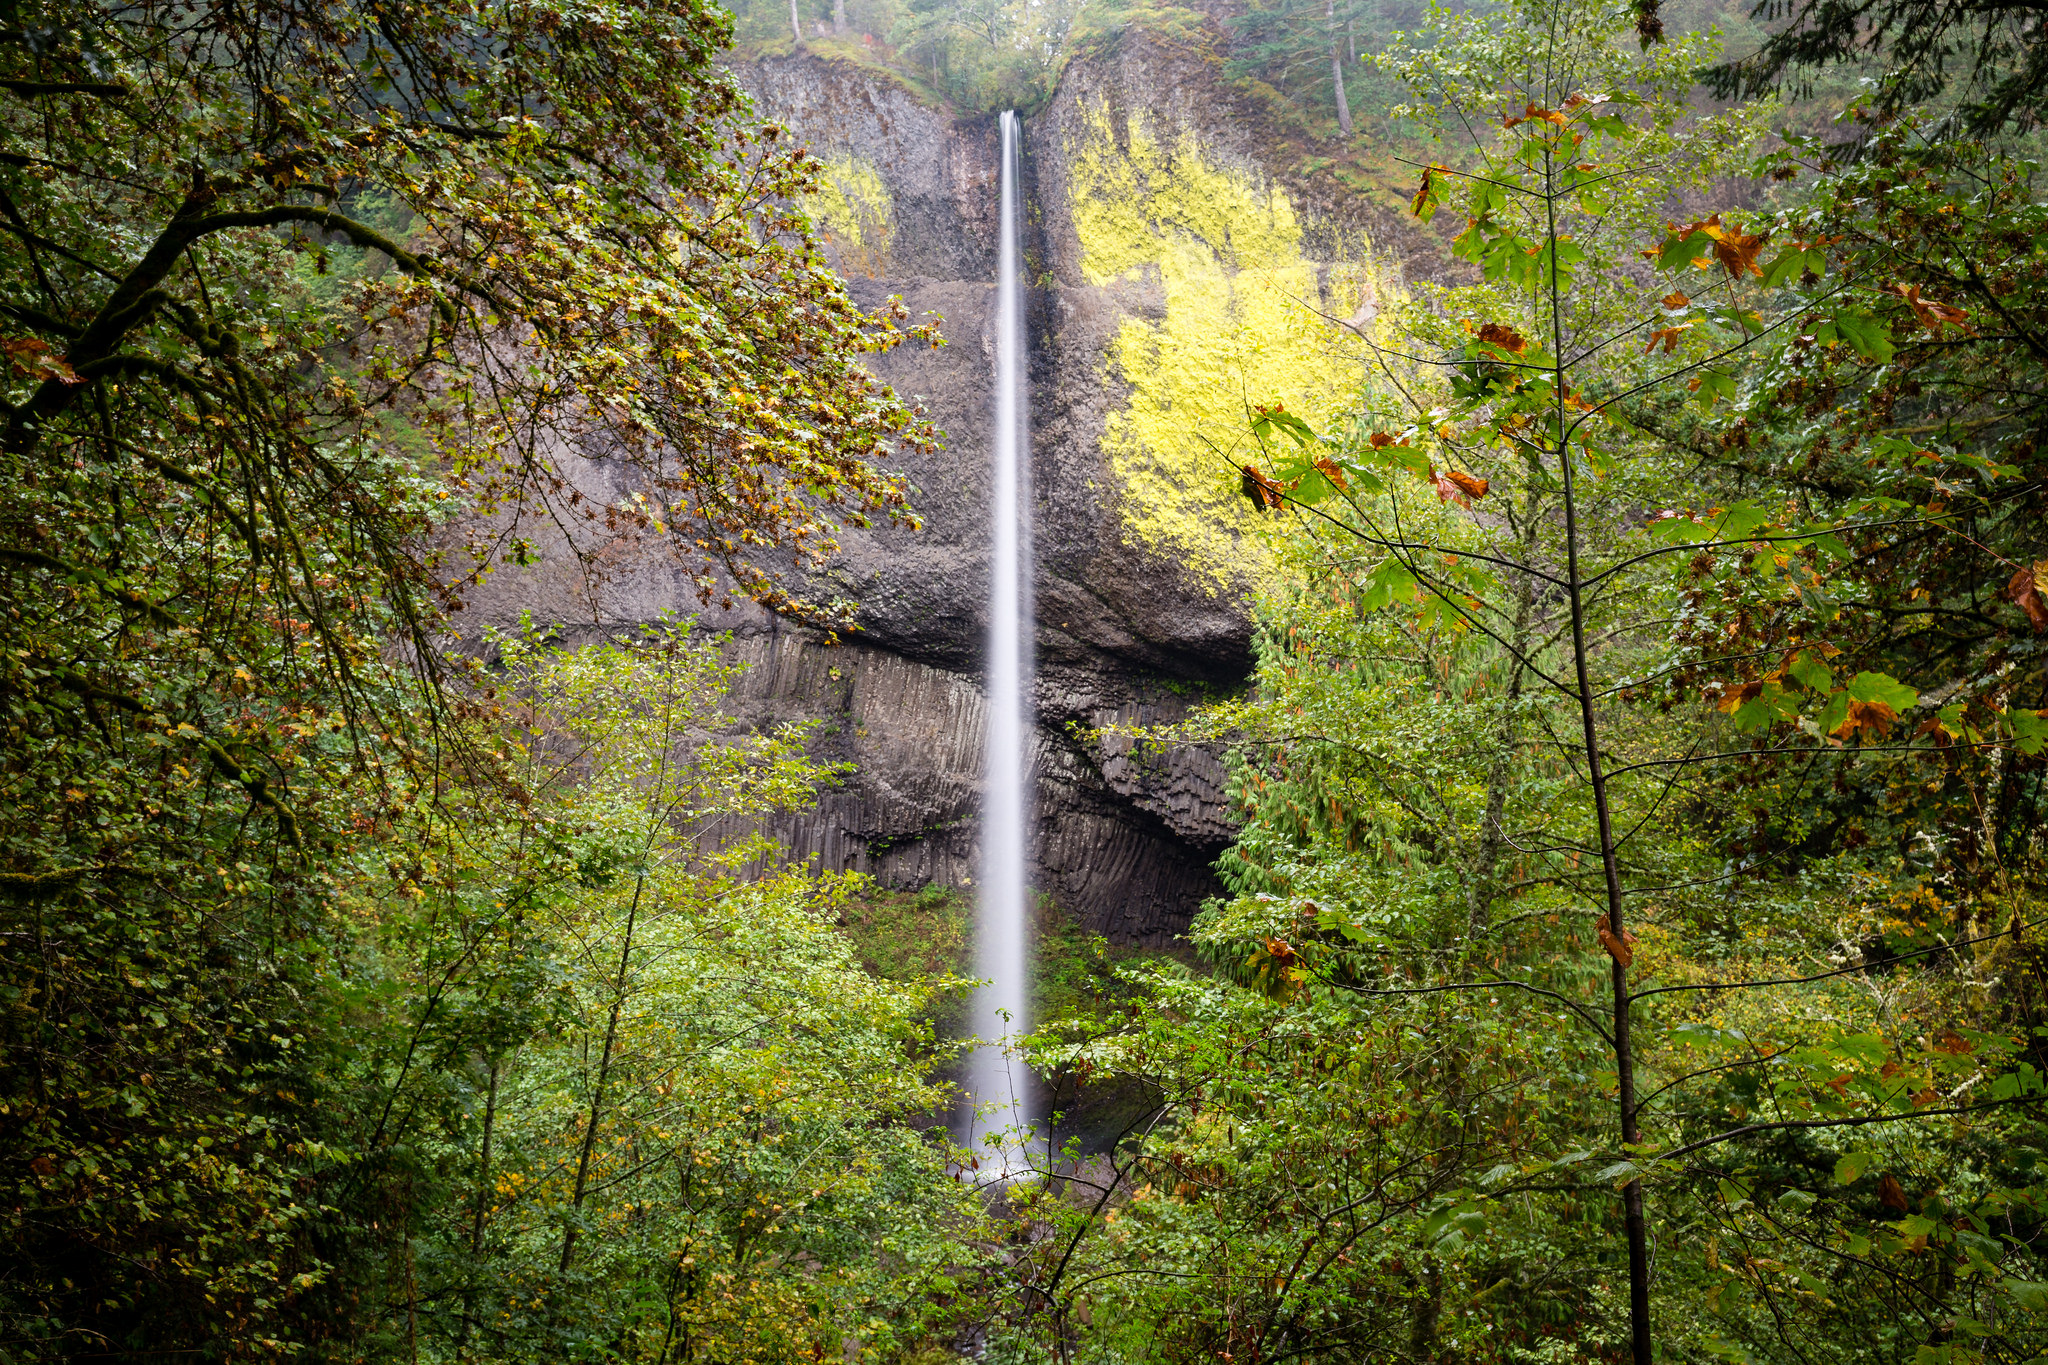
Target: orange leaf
{"x":1866,"y":717}
{"x":1669,"y":336}
{"x":1933,"y":316}
{"x":1675,"y":300}
{"x":1501,"y":335}
{"x":2024,"y":592}
{"x":1736,"y":697}
{"x":1472,"y":487}
{"x":33,"y":357}
{"x":1330,"y":471}
{"x":1451,"y":486}
{"x":1619,"y":947}
{"x":1265,"y":494}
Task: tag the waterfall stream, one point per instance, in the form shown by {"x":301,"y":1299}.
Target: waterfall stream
{"x":998,"y":1084}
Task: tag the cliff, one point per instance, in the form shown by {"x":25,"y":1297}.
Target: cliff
{"x":1174,"y":278}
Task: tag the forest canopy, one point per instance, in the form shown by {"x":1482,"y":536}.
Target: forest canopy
{"x":1631,"y":943}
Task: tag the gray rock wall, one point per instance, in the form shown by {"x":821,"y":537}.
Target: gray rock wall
{"x":1128,"y":628}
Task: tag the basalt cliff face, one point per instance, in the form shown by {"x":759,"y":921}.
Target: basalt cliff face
{"x":1172,"y":278}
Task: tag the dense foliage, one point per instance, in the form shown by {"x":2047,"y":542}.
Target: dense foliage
{"x":1632,"y":947}
{"x":286,"y":286}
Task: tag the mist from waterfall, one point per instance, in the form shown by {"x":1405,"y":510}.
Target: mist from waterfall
{"x":999,"y":1084}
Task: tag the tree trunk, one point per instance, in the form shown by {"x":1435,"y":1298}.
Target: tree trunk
{"x":1337,"y":68}
{"x":1482,"y":883}
{"x":839,"y":18}
{"x":796,"y":23}
{"x":1634,"y":1222}
{"x":604,"y":1063}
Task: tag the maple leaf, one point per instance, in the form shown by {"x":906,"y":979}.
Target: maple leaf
{"x":1453,"y":486}
{"x":1735,"y":250}
{"x":1329,"y":470}
{"x":1423,"y":205}
{"x":1669,"y":336}
{"x":1932,"y":315}
{"x":1622,"y":947}
{"x":1891,"y":1194}
{"x":1676,"y":300}
{"x":1872,"y":717}
{"x":1472,"y":487}
{"x":2025,"y":592}
{"x":33,"y":357}
{"x":1735,"y":697}
{"x":1501,"y":335}
{"x":1265,"y":494}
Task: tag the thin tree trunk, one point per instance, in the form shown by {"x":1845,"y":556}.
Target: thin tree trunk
{"x":483,"y":1181}
{"x":1481,"y":885}
{"x":839,"y":18}
{"x":1337,"y":68}
{"x":796,"y":23}
{"x":604,"y":1068}
{"x":1634,"y":1221}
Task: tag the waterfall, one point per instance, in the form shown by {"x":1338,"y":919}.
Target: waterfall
{"x":997,"y":1084}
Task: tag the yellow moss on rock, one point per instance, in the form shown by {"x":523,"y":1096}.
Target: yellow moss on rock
{"x":855,"y":213}
{"x":1238,"y":331}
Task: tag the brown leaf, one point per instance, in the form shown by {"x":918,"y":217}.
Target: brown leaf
{"x":33,"y":357}
{"x":1735,"y":250}
{"x":1676,"y":300}
{"x":1472,"y":487}
{"x":1265,"y":494}
{"x":1501,"y":335}
{"x":1933,"y":316}
{"x":1891,"y":1194}
{"x":1422,"y":195}
{"x":2024,"y":592}
{"x":1735,"y":697}
{"x":1452,"y":486}
{"x":1669,"y":336}
{"x":1534,"y":113}
{"x":1619,"y":947}
{"x":1866,"y":717}
{"x":1329,"y":470}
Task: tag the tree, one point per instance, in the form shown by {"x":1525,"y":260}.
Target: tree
{"x":289,"y":286}
{"x":1505,"y":528}
{"x":1988,"y":59}
{"x":672,"y":1115}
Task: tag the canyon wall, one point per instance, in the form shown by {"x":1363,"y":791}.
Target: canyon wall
{"x":1174,"y":278}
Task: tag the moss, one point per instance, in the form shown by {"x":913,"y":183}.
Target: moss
{"x":855,"y":213}
{"x":1240,"y":328}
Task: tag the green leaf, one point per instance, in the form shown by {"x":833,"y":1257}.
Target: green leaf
{"x":1739,"y":520}
{"x":1850,"y":1168}
{"x":2029,"y":730}
{"x":1868,"y":336}
{"x":1871,"y":686}
{"x":1809,"y":672}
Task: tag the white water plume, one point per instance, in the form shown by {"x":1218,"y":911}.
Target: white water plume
{"x":998,"y":1084}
